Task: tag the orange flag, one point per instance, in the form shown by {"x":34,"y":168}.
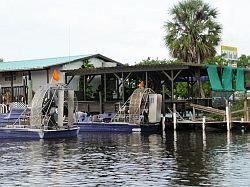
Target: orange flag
{"x":56,"y":75}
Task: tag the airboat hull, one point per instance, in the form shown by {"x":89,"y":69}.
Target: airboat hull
{"x":28,"y":133}
{"x":118,"y":127}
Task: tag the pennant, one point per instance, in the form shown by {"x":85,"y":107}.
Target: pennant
{"x":56,"y":75}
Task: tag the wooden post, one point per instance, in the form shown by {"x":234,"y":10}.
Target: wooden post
{"x":30,"y":90}
{"x":71,"y":108}
{"x":100,"y":101}
{"x":163,"y":123}
{"x":84,"y":87}
{"x":193,"y":116}
{"x":174,"y":116}
{"x":12,"y":87}
{"x":246,"y":116}
{"x":47,"y":73}
{"x":105,"y":87}
{"x":172,"y":85}
{"x":123,"y":91}
{"x":228,"y":116}
{"x":163,"y":99}
{"x":203,"y":123}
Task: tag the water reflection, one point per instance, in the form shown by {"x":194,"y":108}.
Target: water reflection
{"x":174,"y":158}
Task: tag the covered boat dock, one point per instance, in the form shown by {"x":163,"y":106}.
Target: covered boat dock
{"x":117,"y":84}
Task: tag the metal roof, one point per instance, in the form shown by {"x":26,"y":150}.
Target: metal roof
{"x":37,"y":64}
{"x":136,"y":68}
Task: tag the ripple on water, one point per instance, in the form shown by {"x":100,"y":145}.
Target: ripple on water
{"x":128,"y":160}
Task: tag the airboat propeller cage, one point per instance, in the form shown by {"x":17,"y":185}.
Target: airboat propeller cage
{"x":143,"y":103}
{"x":49,"y":96}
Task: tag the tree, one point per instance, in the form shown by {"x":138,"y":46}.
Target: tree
{"x":88,"y":86}
{"x":193,"y":33}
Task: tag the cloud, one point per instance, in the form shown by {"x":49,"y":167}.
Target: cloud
{"x":127,"y":31}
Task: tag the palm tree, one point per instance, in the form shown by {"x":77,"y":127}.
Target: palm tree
{"x":193,"y":32}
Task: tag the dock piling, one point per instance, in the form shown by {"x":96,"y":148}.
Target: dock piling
{"x":228,"y":115}
{"x":174,"y":116}
{"x":203,"y":123}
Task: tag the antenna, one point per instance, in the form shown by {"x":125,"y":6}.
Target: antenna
{"x":69,"y":41}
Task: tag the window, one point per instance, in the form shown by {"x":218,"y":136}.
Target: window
{"x":7,"y":76}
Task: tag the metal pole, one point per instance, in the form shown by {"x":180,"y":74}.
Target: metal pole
{"x":146,"y":77}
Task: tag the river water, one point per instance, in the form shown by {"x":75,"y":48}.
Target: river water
{"x":105,"y":159}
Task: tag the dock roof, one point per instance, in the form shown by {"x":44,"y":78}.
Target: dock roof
{"x":44,"y":63}
{"x":135,"y":68}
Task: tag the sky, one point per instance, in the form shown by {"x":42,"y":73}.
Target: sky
{"x":127,"y":31}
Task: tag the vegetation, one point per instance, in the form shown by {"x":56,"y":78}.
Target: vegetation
{"x":149,"y":61}
{"x":88,"y":86}
{"x":193,"y":33}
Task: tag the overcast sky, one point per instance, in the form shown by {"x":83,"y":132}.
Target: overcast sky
{"x":124,"y":30}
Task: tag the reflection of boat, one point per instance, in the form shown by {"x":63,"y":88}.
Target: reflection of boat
{"x":45,"y":118}
{"x":140,"y":113}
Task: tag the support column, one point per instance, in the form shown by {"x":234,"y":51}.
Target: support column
{"x":12,"y":87}
{"x":105,"y":87}
{"x":172,"y":84}
{"x":84,"y":87}
{"x":60,"y":107}
{"x":163,"y":99}
{"x":123,"y":97}
{"x":30,"y":90}
{"x":71,"y":107}
{"x":146,"y":79}
{"x":47,"y":72}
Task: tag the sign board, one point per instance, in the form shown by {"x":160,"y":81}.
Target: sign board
{"x":229,"y":52}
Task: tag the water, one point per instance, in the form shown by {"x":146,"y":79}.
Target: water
{"x":104,"y":159}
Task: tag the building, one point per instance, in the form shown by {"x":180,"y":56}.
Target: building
{"x":15,"y":76}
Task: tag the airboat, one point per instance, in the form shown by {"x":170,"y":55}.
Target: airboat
{"x":140,"y":113}
{"x":51,"y":115}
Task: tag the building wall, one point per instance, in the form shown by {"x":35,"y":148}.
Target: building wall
{"x":17,"y":82}
{"x":39,"y":77}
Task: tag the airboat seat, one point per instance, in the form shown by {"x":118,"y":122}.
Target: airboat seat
{"x":17,"y":111}
{"x":107,"y":116}
{"x":83,"y":117}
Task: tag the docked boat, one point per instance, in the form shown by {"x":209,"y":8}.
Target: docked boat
{"x":140,"y":113}
{"x":50,"y":116}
